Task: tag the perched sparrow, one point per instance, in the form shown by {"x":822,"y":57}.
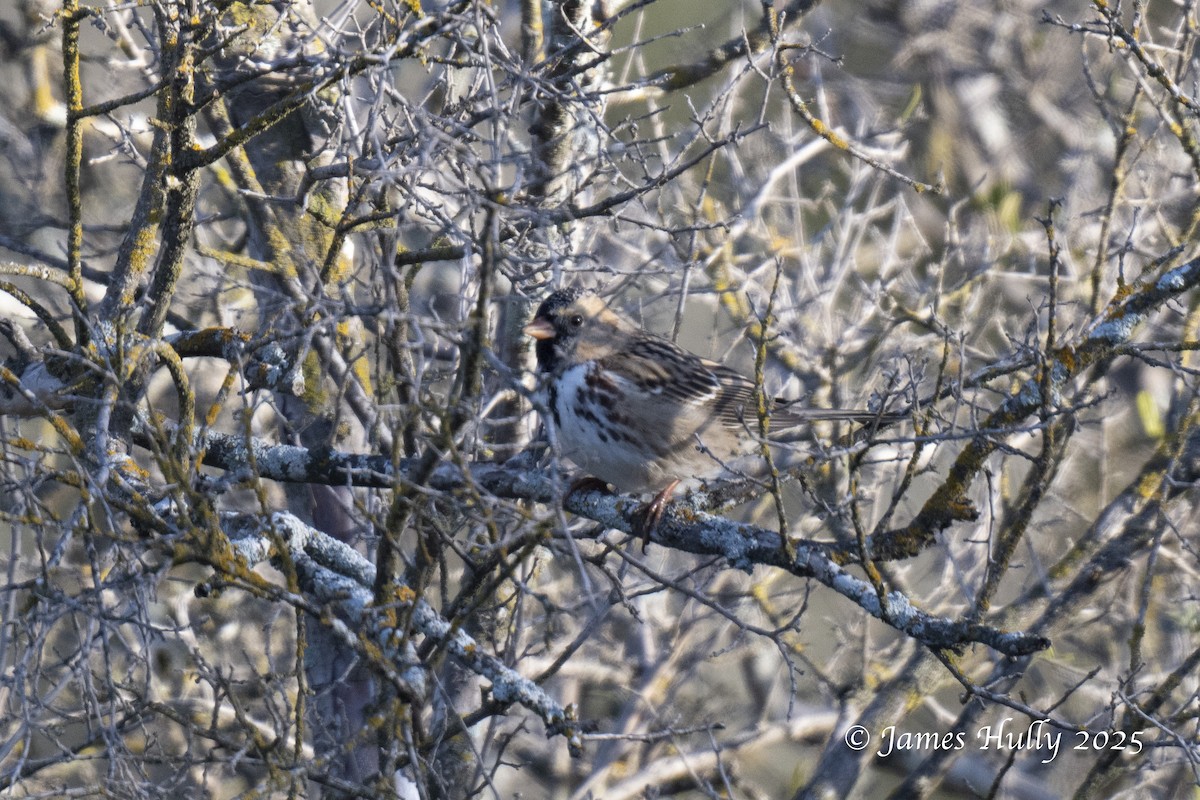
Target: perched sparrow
{"x":638,"y":411}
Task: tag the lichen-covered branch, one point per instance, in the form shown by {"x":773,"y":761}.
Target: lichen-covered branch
{"x":685,"y":526}
{"x":334,"y":573}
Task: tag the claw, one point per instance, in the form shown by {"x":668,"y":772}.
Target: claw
{"x":650,"y":514}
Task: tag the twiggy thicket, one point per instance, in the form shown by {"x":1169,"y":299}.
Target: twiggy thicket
{"x":278,"y":516}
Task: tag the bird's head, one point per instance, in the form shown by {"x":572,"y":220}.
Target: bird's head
{"x":574,"y":325}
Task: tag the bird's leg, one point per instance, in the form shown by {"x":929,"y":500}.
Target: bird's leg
{"x":651,"y":513}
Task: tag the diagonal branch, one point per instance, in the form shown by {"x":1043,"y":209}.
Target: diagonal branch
{"x":335,"y":573}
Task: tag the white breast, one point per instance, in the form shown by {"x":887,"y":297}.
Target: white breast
{"x":595,"y":436}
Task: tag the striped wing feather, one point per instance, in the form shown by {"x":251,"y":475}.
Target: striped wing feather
{"x":661,"y":371}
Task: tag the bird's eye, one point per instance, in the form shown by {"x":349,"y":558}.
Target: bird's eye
{"x":576,"y":321}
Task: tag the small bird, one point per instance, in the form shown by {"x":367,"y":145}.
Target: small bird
{"x":639,"y":412}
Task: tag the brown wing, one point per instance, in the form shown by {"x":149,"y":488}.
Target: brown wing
{"x":663,"y":374}
{"x":684,"y":382}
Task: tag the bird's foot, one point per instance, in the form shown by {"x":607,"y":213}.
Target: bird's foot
{"x":649,"y":515}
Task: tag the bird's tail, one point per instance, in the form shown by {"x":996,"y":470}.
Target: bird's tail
{"x":787,"y":419}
